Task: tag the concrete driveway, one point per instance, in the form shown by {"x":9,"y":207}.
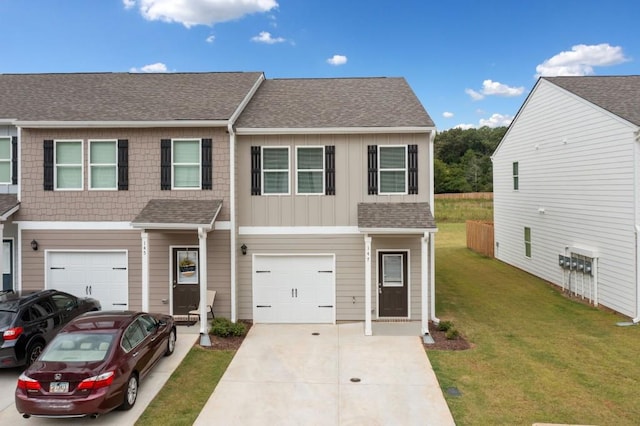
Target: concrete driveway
{"x":287,"y":375}
{"x":187,"y":336}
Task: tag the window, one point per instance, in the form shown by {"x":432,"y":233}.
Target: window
{"x":515,"y":176}
{"x":132,"y":336}
{"x":275,"y":170}
{"x":186,"y":164}
{"x":527,"y":242}
{"x":392,"y":169}
{"x":310,"y":173}
{"x":5,"y":160}
{"x":103,"y":164}
{"x":68,"y":164}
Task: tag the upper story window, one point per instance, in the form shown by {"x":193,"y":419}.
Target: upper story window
{"x":186,"y":163}
{"x":516,"y":183}
{"x":527,"y":242}
{"x":68,"y":165}
{"x":310,"y":170}
{"x":275,"y":170}
{"x":5,"y":160}
{"x":393,"y":169}
{"x":103,"y":165}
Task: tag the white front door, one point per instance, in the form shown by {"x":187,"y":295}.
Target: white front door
{"x":294,"y":289}
{"x":102,"y":275}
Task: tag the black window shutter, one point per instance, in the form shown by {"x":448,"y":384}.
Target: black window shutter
{"x":207,"y":171}
{"x":330,"y":170}
{"x":165,"y":164}
{"x":412,"y":151}
{"x":48,"y":165}
{"x":123,"y":164}
{"x":373,"y":169}
{"x":256,"y":188}
{"x":14,"y":160}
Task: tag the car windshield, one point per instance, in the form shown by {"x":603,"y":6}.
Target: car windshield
{"x":78,"y":347}
{"x":6,"y":317}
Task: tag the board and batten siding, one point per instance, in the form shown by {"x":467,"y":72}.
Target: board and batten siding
{"x":350,"y":174}
{"x":576,"y":187}
{"x":349,"y":254}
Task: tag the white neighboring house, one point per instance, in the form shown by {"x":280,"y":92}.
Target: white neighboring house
{"x":566,"y":185}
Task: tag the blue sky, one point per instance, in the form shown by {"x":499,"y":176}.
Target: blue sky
{"x":471,"y":63}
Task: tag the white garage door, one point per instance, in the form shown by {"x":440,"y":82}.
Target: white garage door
{"x":294,"y":289}
{"x":101,"y":275}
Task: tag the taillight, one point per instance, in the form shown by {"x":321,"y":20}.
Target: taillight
{"x":12,"y":333}
{"x":27,"y":383}
{"x":96,"y":382}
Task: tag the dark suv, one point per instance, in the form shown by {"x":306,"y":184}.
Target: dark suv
{"x":28,"y":321}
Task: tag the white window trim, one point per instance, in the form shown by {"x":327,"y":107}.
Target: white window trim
{"x":405,"y":169}
{"x":322,"y":170}
{"x":55,"y":165}
{"x":8,"y":138}
{"x":173,"y":164}
{"x":115,"y":165}
{"x":528,"y":243}
{"x":515,"y":176}
{"x":288,"y":170}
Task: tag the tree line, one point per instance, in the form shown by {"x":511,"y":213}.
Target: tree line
{"x":463,"y":159}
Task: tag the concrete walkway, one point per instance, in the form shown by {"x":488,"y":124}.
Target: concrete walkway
{"x":287,"y":375}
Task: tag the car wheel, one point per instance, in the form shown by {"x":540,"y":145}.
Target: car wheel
{"x":33,"y":352}
{"x":171,"y":343}
{"x":130,"y":393}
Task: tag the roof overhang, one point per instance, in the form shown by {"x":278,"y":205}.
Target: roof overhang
{"x":9,"y":204}
{"x":398,"y":231}
{"x":331,"y":130}
{"x":181,"y":215}
{"x":117,"y":124}
{"x":396,"y":218}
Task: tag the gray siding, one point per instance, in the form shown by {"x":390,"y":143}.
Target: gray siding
{"x":576,"y":162}
{"x":350,"y":263}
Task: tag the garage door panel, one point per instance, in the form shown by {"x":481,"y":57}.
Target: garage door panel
{"x":294,"y":289}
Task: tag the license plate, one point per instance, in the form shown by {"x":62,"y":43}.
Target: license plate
{"x":59,"y":387}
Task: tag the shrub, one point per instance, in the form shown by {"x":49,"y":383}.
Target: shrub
{"x":445,"y":325}
{"x":452,"y":334}
{"x":223,"y":327}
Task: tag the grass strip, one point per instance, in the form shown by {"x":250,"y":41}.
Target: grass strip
{"x":188,"y":389}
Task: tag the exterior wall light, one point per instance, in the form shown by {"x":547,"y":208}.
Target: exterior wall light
{"x":34,"y":245}
{"x":243,"y":247}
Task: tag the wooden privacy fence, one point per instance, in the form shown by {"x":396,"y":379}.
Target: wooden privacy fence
{"x":480,"y":237}
{"x":466,"y":195}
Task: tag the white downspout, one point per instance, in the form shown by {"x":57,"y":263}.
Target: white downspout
{"x":432,"y":238}
{"x":424,"y":271}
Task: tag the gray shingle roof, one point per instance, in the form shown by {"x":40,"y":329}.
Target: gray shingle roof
{"x":395,"y":216}
{"x":7,"y":203}
{"x":619,"y":95}
{"x":178,"y":213}
{"x":334,"y":102}
{"x":123,"y":96}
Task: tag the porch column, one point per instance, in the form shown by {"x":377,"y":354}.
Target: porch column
{"x":202,"y":262}
{"x":432,"y":278}
{"x":425,"y":279}
{"x":144,"y":235}
{"x":367,"y":286}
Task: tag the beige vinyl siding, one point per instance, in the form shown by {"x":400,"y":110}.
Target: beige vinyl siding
{"x":350,"y":264}
{"x":33,"y":272}
{"x":351,"y":181}
{"x":576,"y":161}
{"x":144,"y":175}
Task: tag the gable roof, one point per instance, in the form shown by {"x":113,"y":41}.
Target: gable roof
{"x":394,"y":217}
{"x":123,"y":96}
{"x":334,"y":103}
{"x":178,"y":214}
{"x":619,"y":95}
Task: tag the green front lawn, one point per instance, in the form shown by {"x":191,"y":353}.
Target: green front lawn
{"x":538,"y":356}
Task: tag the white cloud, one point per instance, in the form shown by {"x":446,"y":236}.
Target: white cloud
{"x":494,"y":88}
{"x":447,"y":114}
{"x":496,"y":120}
{"x":151,"y":68}
{"x":337,"y":60}
{"x":581,"y":60}
{"x":265,"y":37}
{"x":199,"y":12}
{"x":211,"y":39}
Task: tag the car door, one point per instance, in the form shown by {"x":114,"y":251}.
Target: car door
{"x":154,"y":336}
{"x":137,"y":339}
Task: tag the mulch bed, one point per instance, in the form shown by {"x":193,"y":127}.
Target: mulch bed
{"x":441,"y":341}
{"x":444,"y":344}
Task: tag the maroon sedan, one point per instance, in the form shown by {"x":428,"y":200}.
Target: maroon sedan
{"x":95,"y":364}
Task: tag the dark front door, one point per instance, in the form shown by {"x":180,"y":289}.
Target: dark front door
{"x":7,"y":264}
{"x":186,"y":280}
{"x":392,"y":284}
